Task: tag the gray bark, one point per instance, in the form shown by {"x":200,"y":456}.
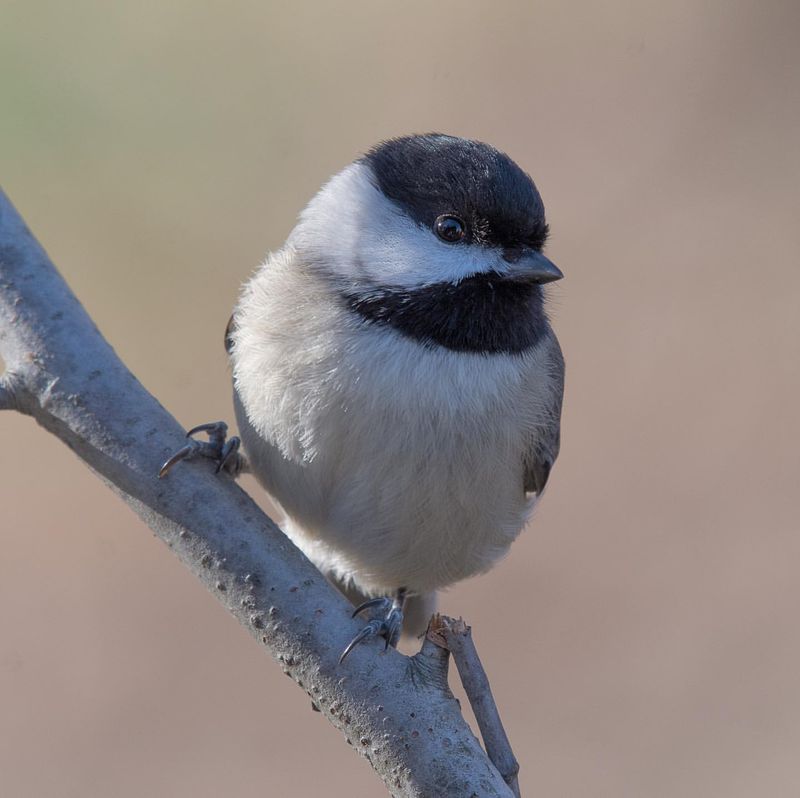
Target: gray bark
{"x":397,"y":711}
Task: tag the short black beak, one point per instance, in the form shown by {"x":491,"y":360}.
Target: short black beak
{"x":531,"y":266}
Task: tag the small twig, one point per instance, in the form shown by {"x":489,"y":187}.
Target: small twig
{"x":456,"y":637}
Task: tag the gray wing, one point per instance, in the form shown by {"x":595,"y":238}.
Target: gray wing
{"x":543,"y":451}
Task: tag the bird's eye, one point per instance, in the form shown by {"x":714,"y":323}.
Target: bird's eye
{"x":449,"y":228}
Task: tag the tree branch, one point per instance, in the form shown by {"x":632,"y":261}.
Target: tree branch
{"x":395,"y":710}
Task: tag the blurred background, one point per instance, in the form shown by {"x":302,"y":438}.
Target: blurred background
{"x":642,"y":638}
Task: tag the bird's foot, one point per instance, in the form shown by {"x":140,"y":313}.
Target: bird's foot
{"x":224,"y":451}
{"x":387,"y":623}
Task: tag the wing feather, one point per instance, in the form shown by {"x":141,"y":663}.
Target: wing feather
{"x":544,"y":448}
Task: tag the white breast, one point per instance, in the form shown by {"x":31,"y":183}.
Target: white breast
{"x":396,"y":464}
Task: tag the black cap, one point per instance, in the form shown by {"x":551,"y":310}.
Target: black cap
{"x":433,"y":174}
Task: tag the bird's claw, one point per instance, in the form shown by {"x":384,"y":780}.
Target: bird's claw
{"x":222,"y":450}
{"x":229,"y":455}
{"x":388,"y":624}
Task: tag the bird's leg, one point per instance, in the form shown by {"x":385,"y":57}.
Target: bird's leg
{"x":388,"y":622}
{"x":222,"y":450}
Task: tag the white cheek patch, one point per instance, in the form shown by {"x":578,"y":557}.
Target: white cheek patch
{"x":352,"y":230}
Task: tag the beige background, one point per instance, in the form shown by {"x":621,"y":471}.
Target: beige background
{"x":643,"y":636}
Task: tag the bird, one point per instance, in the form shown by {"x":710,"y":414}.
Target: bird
{"x":397,"y":381}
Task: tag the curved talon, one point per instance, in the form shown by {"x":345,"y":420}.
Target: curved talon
{"x":182,"y":454}
{"x":215,"y":429}
{"x":366,"y":632}
{"x":374,"y":602}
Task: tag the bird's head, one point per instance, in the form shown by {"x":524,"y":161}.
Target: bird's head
{"x":424,"y":210}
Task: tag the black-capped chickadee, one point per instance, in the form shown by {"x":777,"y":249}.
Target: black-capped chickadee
{"x":397,"y":383}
